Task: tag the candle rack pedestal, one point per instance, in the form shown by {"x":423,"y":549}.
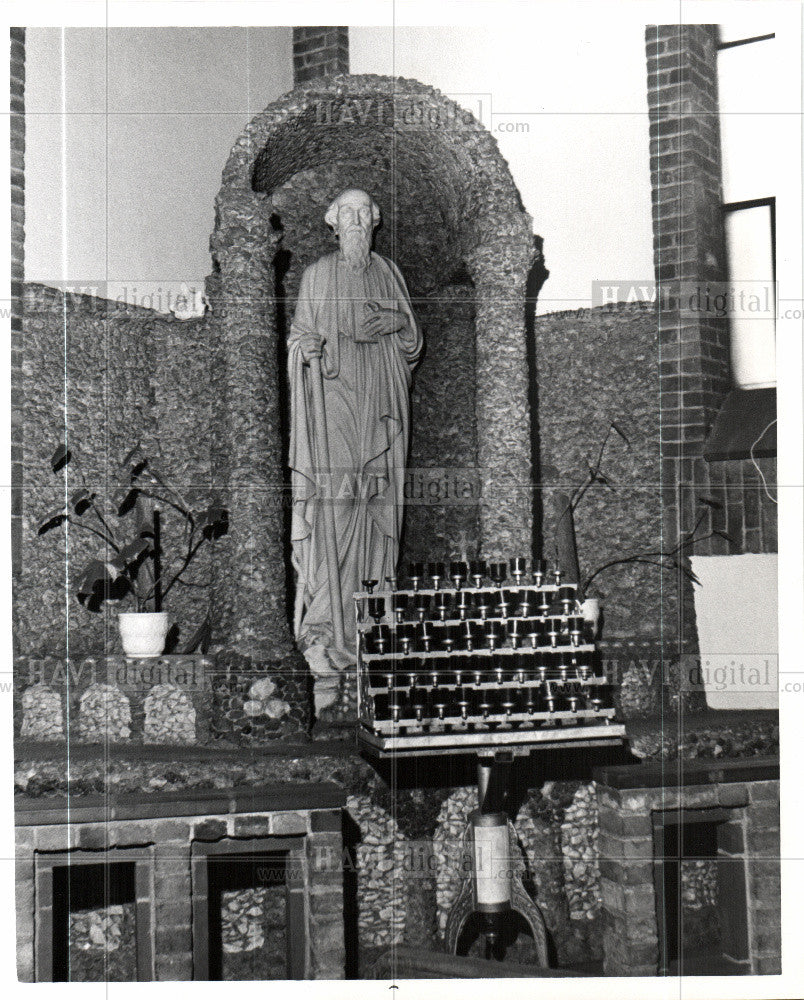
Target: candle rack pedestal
{"x":493,"y":885}
{"x":497,"y":671}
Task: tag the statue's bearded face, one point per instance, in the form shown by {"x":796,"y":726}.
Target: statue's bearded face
{"x":355,"y":226}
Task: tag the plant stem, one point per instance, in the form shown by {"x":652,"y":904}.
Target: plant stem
{"x":94,"y":531}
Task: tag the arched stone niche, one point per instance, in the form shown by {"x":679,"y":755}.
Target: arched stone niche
{"x":453,"y":222}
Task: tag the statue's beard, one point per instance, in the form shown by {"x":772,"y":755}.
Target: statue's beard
{"x":356,"y":248}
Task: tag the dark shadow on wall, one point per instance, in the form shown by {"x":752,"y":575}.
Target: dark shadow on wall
{"x":351,"y":838}
{"x":536,"y":278}
{"x":281,"y":265}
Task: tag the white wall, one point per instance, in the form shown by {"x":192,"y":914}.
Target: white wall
{"x":568,"y":107}
{"x":124,"y":201}
{"x":737,"y":613}
{"x":126,"y":198}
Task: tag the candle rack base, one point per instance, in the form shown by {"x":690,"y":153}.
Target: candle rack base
{"x":521,"y":903}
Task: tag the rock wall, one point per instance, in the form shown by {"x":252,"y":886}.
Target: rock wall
{"x":594,"y":367}
{"x":442,"y":512}
{"x":101,"y":377}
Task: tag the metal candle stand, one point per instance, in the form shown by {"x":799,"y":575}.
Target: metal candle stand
{"x":497,"y":670}
{"x":493,"y":887}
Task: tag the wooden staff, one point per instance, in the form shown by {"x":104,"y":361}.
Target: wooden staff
{"x":330,"y":538}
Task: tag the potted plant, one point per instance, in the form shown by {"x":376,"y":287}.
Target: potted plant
{"x":132,"y":563}
{"x":566,"y":550}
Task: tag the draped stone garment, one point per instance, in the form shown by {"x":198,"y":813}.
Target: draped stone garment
{"x":367,"y":403}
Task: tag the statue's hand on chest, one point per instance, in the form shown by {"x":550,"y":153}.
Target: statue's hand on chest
{"x":379,"y":320}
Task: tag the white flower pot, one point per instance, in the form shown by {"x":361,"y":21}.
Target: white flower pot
{"x":590,"y":612}
{"x":143,"y":633}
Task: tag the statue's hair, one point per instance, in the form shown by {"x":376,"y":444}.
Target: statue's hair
{"x":331,"y":218}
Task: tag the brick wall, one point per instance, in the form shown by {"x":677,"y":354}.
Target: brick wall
{"x":319,"y":52}
{"x":170,"y":840}
{"x":17,"y":130}
{"x":747,"y":813}
{"x":689,"y":250}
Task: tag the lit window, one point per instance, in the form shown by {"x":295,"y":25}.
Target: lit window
{"x":750,"y":245}
{"x":747,"y":141}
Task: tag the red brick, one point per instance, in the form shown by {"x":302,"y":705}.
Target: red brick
{"x":766,"y":941}
{"x":763,"y":843}
{"x":288,"y":823}
{"x":767,"y":965}
{"x":325,"y":820}
{"x":327,"y":903}
{"x":170,"y":829}
{"x":250,"y":826}
{"x":764,"y":817}
{"x":171,"y":912}
{"x":731,"y":838}
{"x":326,"y":935}
{"x":172,"y":940}
{"x":56,"y":838}
{"x":763,"y":790}
{"x":640,"y":900}
{"x":209,"y":829}
{"x":627,"y":872}
{"x":176,"y":968}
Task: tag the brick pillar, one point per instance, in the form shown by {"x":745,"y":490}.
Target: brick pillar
{"x":17,"y":129}
{"x":319,"y":52}
{"x":689,"y":249}
{"x":764,"y":878}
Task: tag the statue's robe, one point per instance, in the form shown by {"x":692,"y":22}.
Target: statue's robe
{"x":367,"y":404}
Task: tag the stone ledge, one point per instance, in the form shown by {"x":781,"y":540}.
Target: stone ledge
{"x":681,"y":773}
{"x":765,"y":790}
{"x":184,"y":802}
{"x":732,"y":795}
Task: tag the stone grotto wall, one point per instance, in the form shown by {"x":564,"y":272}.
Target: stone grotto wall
{"x":442,"y":513}
{"x":206,"y":397}
{"x":100,"y":377}
{"x":594,"y":367}
{"x":168,"y":700}
{"x":451,"y":215}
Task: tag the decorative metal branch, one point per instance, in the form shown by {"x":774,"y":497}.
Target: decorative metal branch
{"x":666,"y":559}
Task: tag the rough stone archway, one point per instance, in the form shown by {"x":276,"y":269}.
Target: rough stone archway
{"x":453,"y":221}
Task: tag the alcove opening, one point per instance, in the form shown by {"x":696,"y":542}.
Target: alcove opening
{"x":94,"y":922}
{"x":247,"y":917}
{"x":700,"y":894}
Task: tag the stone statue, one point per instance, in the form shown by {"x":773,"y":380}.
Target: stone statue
{"x":354,"y":313}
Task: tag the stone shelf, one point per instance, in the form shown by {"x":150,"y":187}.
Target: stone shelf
{"x":301,"y":796}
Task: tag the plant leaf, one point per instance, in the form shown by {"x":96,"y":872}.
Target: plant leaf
{"x":95,"y":572}
{"x":61,"y":456}
{"x":81,"y":501}
{"x":52,"y":520}
{"x":213,"y":522}
{"x":131,"y":552}
{"x":129,"y":502}
{"x":138,"y":469}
